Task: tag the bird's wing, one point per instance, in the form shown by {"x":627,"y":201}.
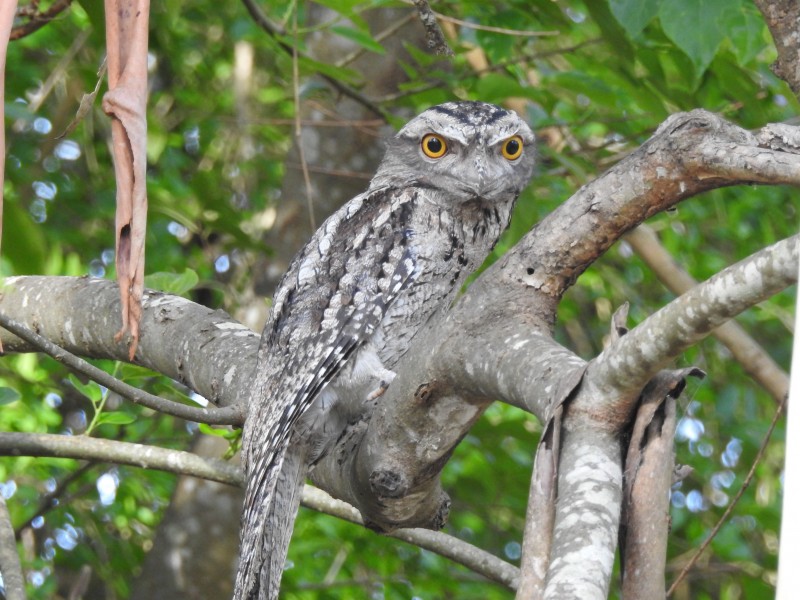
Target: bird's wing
{"x":332,"y":298}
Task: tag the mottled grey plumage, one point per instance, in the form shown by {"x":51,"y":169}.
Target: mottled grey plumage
{"x":354,"y":298}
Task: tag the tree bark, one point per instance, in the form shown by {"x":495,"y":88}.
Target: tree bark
{"x":496,"y":343}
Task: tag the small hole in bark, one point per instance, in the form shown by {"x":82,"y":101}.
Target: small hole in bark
{"x":530,"y":270}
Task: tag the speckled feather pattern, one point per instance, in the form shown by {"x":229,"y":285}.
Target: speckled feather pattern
{"x":353,"y":299}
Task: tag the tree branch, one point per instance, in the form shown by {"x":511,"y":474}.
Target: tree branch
{"x":230,"y":415}
{"x":445,"y":545}
{"x":276,"y":32}
{"x":123,"y":453}
{"x":10,"y":567}
{"x":754,"y":359}
{"x":37,"y":19}
{"x":186,"y":463}
{"x":783,"y":19}
{"x":627,"y":364}
{"x":205,"y":350}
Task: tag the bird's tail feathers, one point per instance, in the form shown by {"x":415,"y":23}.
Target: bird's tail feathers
{"x":271,"y":504}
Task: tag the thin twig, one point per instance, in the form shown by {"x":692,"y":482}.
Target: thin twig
{"x":53,"y":499}
{"x":503,"y":30}
{"x":39,"y":20}
{"x":723,"y":519}
{"x":386,"y":33}
{"x":231,"y":415}
{"x":457,"y":550}
{"x":125,"y":453}
{"x":186,"y":463}
{"x":298,"y":130}
{"x":478,"y":26}
{"x":275,"y":32}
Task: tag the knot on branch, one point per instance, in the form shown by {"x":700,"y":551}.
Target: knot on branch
{"x":703,"y":122}
{"x":388,"y":483}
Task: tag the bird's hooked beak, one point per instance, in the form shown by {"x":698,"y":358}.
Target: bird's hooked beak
{"x":477,"y":182}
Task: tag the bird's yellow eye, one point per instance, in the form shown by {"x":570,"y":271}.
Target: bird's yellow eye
{"x":512,"y":147}
{"x":434,"y":146}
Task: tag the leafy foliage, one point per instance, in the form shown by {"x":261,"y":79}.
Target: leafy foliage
{"x":593,"y":91}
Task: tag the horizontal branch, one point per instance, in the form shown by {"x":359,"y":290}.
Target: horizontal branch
{"x":204,"y":349}
{"x":123,"y":453}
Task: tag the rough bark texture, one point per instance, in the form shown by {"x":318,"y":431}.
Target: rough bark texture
{"x":783,"y":19}
{"x":204,"y":349}
{"x":494,"y":344}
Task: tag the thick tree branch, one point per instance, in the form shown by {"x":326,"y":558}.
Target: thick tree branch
{"x":587,"y":516}
{"x":205,"y":350}
{"x":689,"y":153}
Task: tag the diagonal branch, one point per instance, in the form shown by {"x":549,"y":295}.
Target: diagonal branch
{"x":754,"y":359}
{"x":230,"y":415}
{"x":627,"y":364}
{"x":277,"y":33}
{"x":37,"y":20}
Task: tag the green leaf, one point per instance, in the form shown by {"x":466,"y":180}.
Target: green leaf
{"x":609,"y":27}
{"x":634,"y":15}
{"x":694,"y":26}
{"x":215,"y":431}
{"x":115,"y":418}
{"x":359,"y":37}
{"x":745,"y":29}
{"x":8,"y":395}
{"x":172,"y":283}
{"x":91,"y":390}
